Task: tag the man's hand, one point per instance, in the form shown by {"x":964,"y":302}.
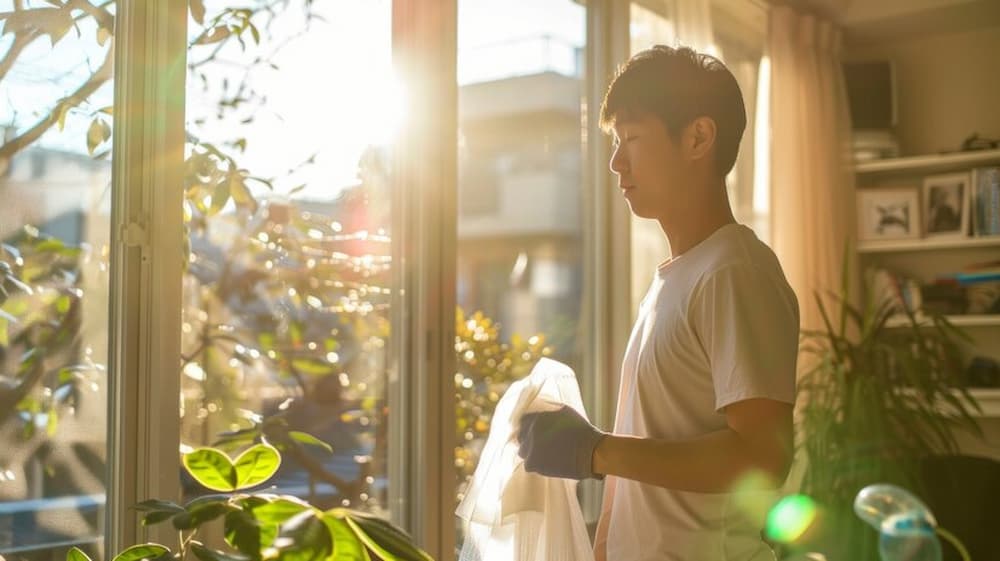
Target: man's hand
{"x":558,"y":444}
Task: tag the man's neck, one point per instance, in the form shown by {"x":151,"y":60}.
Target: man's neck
{"x":707,"y":211}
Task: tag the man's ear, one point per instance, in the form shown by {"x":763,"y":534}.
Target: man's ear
{"x":699,"y":138}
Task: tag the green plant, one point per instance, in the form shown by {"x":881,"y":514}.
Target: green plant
{"x":879,"y":397}
{"x":486,"y":368}
{"x":262,"y":526}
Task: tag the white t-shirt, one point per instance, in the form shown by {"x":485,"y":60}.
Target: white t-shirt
{"x":719,"y":325}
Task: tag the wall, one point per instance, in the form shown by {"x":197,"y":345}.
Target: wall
{"x":948,"y":86}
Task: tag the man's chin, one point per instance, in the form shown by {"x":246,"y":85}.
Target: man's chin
{"x":638,"y":211}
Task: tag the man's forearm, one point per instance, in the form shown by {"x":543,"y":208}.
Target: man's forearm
{"x":709,"y":464}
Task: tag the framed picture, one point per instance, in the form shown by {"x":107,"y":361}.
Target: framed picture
{"x":888,"y":214}
{"x":946,"y":205}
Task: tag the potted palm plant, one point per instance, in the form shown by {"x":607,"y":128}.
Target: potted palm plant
{"x":882,"y":392}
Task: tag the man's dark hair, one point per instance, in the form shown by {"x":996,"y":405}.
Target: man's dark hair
{"x":678,"y":85}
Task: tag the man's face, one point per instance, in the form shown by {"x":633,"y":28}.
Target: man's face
{"x":648,"y":164}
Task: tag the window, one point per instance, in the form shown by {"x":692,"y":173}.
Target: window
{"x":520,"y":267}
{"x":305,"y":220}
{"x":286,"y":305}
{"x":55,"y":173}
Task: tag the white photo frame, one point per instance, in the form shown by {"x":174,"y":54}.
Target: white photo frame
{"x":946,"y":205}
{"x":888,"y":214}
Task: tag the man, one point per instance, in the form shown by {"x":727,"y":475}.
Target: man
{"x":708,"y":378}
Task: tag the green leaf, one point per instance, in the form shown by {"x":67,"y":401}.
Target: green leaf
{"x":256,"y":465}
{"x":197,"y":11}
{"x":220,"y":196}
{"x":393,"y":540}
{"x":279,"y":511}
{"x":243,"y":533}
{"x":346,"y":545}
{"x":306,"y":438}
{"x":77,"y":554}
{"x":54,"y":22}
{"x":96,"y":134}
{"x":195,"y":517}
{"x":51,"y":423}
{"x":205,"y":554}
{"x":155,"y":505}
{"x":211,"y":468}
{"x":217,"y":34}
{"x":61,"y":110}
{"x":304,"y":538}
{"x":157,"y":517}
{"x":241,"y":194}
{"x":142,"y":551}
{"x":63,"y":303}
{"x":370,"y":543}
{"x":311,"y":366}
{"x":205,"y":500}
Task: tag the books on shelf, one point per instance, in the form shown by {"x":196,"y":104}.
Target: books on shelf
{"x":974,"y":291}
{"x":986,"y":201}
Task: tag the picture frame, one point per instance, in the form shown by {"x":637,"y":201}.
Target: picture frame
{"x":985,"y":203}
{"x":946,"y":205}
{"x":888,"y":214}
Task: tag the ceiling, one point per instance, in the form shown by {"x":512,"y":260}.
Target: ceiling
{"x":879,"y":20}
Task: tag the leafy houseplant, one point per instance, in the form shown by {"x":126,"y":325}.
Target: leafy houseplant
{"x":881,"y":395}
{"x":260,"y":525}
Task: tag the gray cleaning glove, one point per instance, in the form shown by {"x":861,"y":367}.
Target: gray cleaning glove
{"x":559,"y":443}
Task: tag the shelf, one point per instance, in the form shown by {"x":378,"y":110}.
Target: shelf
{"x":929,"y":162}
{"x":988,"y":399}
{"x":969,"y":320}
{"x":927,"y":244}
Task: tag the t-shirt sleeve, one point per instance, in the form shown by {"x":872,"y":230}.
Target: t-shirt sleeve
{"x":747,"y":321}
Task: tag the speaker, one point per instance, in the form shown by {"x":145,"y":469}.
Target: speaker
{"x":871,"y":94}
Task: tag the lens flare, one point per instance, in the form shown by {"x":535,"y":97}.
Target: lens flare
{"x":790,"y":518}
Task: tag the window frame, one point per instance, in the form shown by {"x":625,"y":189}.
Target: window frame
{"x":146,"y":265}
{"x":147,"y":262}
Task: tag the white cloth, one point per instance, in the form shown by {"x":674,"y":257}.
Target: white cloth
{"x":513,"y":515}
{"x":718,"y":325}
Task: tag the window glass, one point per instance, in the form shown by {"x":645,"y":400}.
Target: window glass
{"x":285,"y":322}
{"x":56,"y":113}
{"x":520,"y":235}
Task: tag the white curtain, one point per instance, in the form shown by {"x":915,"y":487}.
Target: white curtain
{"x":812,"y":188}
{"x":694,"y":25}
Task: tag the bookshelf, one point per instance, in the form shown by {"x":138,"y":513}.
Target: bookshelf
{"x":971,"y":320}
{"x":927,"y":244}
{"x":926,"y":259}
{"x":988,"y":400}
{"x":931,"y":163}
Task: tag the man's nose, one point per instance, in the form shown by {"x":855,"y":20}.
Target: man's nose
{"x":618,"y":162}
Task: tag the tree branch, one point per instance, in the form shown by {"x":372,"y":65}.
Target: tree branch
{"x":21,"y":40}
{"x":103,"y":17}
{"x":96,"y":80}
{"x":9,"y":398}
{"x":316,"y":470}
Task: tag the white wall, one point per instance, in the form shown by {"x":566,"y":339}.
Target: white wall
{"x":948,"y":86}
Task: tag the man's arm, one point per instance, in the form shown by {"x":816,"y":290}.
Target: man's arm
{"x":758,"y":439}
